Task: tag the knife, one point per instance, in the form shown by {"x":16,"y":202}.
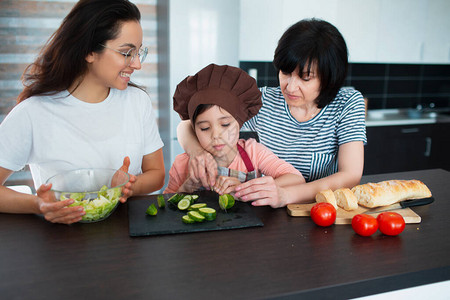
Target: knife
{"x":401,"y":204}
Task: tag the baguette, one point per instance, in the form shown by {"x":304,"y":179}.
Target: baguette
{"x":389,"y":192}
{"x":345,"y":199}
{"x":326,"y":196}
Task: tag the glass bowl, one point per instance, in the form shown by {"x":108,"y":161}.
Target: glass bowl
{"x":97,"y":190}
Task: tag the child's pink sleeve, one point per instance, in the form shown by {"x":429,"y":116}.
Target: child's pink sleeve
{"x":177,"y":173}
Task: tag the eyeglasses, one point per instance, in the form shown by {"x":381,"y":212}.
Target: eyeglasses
{"x":131,"y":54}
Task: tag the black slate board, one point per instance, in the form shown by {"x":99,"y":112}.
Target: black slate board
{"x":168,"y":220}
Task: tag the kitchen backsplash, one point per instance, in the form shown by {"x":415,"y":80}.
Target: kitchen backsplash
{"x":385,"y":85}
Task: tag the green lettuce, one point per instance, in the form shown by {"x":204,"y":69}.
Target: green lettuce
{"x":98,"y":208}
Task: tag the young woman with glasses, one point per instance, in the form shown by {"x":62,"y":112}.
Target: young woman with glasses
{"x":79,"y":109}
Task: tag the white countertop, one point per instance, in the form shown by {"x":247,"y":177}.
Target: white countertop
{"x":393,"y":117}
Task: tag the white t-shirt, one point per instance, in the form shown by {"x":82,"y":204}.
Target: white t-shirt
{"x":59,"y":132}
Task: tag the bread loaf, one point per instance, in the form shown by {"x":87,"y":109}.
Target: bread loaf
{"x":345,"y":199}
{"x":389,"y":192}
{"x":326,"y":196}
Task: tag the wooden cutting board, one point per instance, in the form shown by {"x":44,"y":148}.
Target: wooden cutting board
{"x":345,"y":217}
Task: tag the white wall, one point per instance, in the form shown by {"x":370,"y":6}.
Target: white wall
{"x":201,"y":32}
{"x":229,"y":31}
{"x":387,"y":31}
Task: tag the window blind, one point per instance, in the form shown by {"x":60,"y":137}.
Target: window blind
{"x":25,"y":26}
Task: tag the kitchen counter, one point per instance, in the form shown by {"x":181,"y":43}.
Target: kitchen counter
{"x":286,"y":258}
{"x":393,"y":117}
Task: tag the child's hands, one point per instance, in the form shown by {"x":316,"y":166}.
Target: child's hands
{"x":226,"y":185}
{"x":203,"y":169}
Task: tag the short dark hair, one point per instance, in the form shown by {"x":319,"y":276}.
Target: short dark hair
{"x":314,"y":41}
{"x":89,"y":24}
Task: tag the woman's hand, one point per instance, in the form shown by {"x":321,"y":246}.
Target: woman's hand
{"x":57,"y":211}
{"x":127,"y":189}
{"x":262,"y":191}
{"x":226,"y":184}
{"x":203,"y":169}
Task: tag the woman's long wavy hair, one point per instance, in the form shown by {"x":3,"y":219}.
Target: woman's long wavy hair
{"x":89,"y":24}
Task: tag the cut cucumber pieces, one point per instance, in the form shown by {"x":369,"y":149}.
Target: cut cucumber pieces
{"x":191,"y":198}
{"x":226,"y":201}
{"x":200,"y":212}
{"x":178,"y":197}
{"x":184,"y":204}
{"x":195,"y":215}
{"x":161,"y":201}
{"x":188,"y":220}
{"x":197,"y":206}
{"x":151,"y":210}
{"x":208,"y":213}
{"x":197,"y":212}
{"x":175,"y":199}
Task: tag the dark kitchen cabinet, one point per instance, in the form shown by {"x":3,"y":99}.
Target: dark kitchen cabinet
{"x":403,"y":148}
{"x":440,"y":149}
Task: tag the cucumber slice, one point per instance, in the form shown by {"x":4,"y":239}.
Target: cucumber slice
{"x":195,"y":197}
{"x":190,"y":198}
{"x":184,"y":204}
{"x":195,"y":215}
{"x":161,"y":201}
{"x":151,"y":210}
{"x":186,"y":219}
{"x":208,"y":212}
{"x":175,"y":199}
{"x":197,"y":206}
{"x":226,"y":201}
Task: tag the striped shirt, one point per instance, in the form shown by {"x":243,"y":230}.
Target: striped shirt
{"x":311,"y":146}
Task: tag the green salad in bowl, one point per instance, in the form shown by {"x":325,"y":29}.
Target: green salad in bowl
{"x":97,"y":190}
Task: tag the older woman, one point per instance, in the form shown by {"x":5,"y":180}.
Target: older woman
{"x":309,"y":121}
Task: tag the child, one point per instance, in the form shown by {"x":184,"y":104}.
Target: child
{"x":218,"y":100}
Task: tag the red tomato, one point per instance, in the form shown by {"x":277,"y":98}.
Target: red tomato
{"x":364,"y":225}
{"x":391,"y":223}
{"x":323,"y":214}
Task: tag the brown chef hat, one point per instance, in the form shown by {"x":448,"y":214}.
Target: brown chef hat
{"x":225,"y":86}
